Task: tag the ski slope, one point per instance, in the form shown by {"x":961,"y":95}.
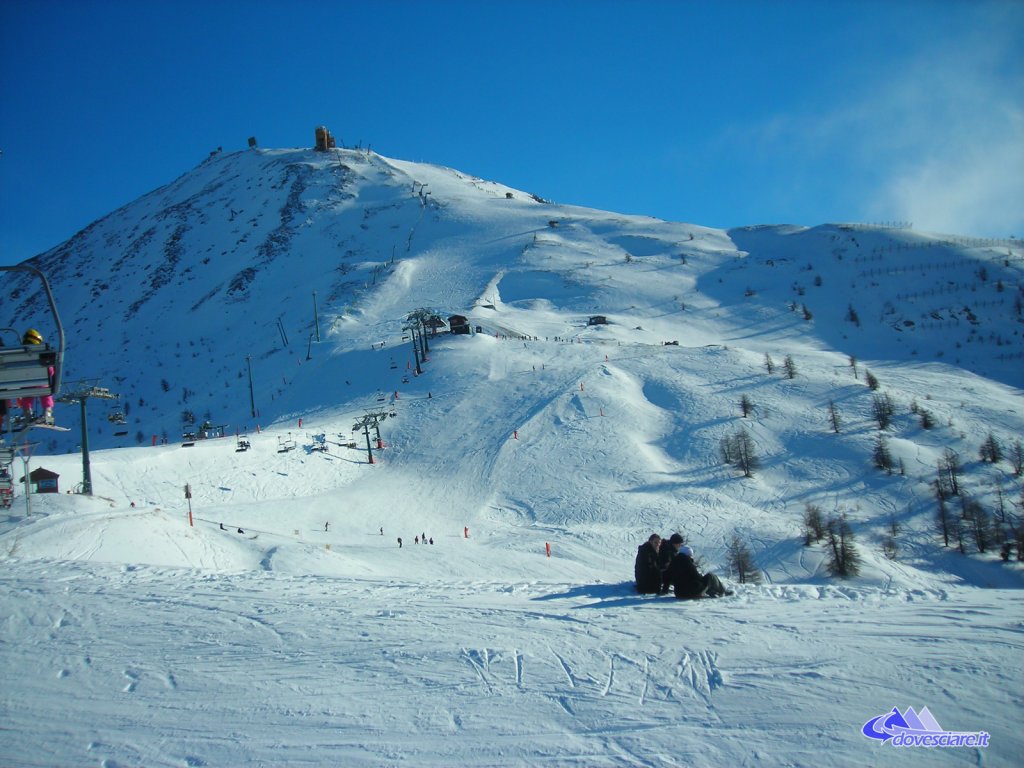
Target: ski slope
{"x":132,"y":638}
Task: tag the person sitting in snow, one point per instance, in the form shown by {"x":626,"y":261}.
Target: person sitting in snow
{"x":665,"y":555}
{"x":687,"y":582}
{"x":645,"y":569}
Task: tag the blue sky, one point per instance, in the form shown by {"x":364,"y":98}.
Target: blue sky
{"x":714,"y":113}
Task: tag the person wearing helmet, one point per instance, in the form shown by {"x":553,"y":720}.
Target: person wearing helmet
{"x":32,"y":336}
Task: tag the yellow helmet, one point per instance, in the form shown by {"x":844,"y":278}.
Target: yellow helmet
{"x":32,"y":336}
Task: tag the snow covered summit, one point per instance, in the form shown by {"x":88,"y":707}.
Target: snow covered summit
{"x":262,"y":254}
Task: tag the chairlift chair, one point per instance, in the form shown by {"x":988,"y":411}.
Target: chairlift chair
{"x":25,"y":368}
{"x":118,"y":419}
{"x":6,"y":478}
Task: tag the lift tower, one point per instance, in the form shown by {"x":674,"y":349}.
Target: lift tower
{"x":80,"y":392}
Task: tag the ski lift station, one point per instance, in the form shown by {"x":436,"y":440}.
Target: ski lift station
{"x":458,"y":324}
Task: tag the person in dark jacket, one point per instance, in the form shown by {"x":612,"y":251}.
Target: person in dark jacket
{"x":665,"y":557}
{"x":687,"y":582}
{"x":648,"y":576}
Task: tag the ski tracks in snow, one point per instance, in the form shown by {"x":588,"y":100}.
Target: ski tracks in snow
{"x":559,"y":674}
{"x":575,"y":684}
{"x":372,"y":672}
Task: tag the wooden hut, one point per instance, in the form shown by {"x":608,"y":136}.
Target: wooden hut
{"x":42,"y":480}
{"x":458,"y":324}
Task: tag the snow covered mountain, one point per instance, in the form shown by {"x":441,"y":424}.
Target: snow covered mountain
{"x":546,"y":427}
{"x":164,"y":299}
